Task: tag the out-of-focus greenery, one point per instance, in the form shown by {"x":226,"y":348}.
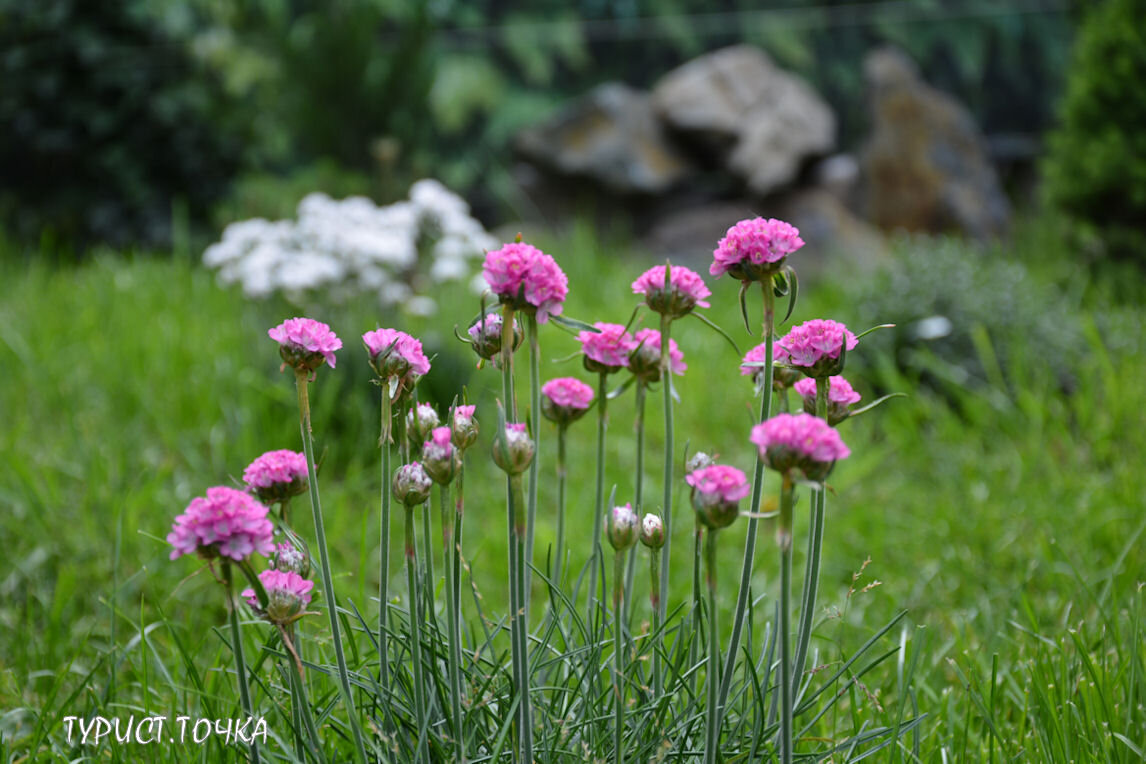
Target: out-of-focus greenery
{"x":1096,"y":169}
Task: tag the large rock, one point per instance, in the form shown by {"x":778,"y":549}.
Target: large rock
{"x":925,"y":165}
{"x":762,"y":121}
{"x":610,"y":136}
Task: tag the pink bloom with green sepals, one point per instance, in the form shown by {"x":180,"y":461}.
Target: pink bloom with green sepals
{"x":305,"y":343}
{"x":623,"y":527}
{"x":565,"y":399}
{"x":465,"y":427}
{"x":287,"y":558}
{"x":513,"y":448}
{"x":755,"y":248}
{"x":440,"y":444}
{"x":410,"y":484}
{"x":607,"y":349}
{"x":716,"y":493}
{"x":287,"y":595}
{"x":485,"y":336}
{"x":652,"y":531}
{"x":799,"y":441}
{"x":527,"y":278}
{"x":276,"y":475}
{"x":440,"y":457}
{"x":226,"y":523}
{"x":816,"y":347}
{"x":645,"y":360}
{"x":395,"y":353}
{"x":839,"y":391}
{"x":421,"y":421}
{"x":686,"y":290}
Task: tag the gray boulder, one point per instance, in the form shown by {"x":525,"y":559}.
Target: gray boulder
{"x":762,"y":122}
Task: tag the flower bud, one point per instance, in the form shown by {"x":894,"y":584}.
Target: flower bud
{"x":697,"y":461}
{"x":513,"y":448}
{"x":440,"y":457}
{"x":684,"y":291}
{"x":411,"y":485}
{"x":623,"y":527}
{"x":421,"y":421}
{"x":485,"y":336}
{"x":716,"y":494}
{"x":565,"y":400}
{"x":305,"y":344}
{"x":465,"y":427}
{"x":288,"y":594}
{"x":652,"y":531}
{"x":289,"y":559}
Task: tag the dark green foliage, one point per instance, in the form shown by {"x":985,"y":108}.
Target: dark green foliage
{"x":107,"y":122}
{"x":1096,"y":169}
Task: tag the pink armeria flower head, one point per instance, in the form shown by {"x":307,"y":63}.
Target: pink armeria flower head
{"x":816,"y":347}
{"x":685,"y":290}
{"x":465,"y":427}
{"x":485,"y":337}
{"x":565,"y":400}
{"x":623,"y":527}
{"x":440,"y":457}
{"x":305,"y":343}
{"x":276,"y":476}
{"x":716,"y":493}
{"x":410,"y":484}
{"x":526,"y":278}
{"x":227,"y":523}
{"x":513,"y":448}
{"x":753,"y":250}
{"x":395,"y":354}
{"x":607,"y":349}
{"x":840,"y":397}
{"x":652,"y":531}
{"x":799,"y":442}
{"x":288,"y":558}
{"x":288,"y":594}
{"x":782,"y":376}
{"x":645,"y":360}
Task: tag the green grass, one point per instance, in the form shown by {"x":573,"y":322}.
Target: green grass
{"x":1007,"y":519}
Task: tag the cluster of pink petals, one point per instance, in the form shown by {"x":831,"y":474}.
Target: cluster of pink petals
{"x":275,"y":467}
{"x":719,"y":481}
{"x":306,"y":334}
{"x":757,"y":355}
{"x":803,"y":434}
{"x":610,"y":346}
{"x":227,"y":522}
{"x":525,"y":269}
{"x":404,"y":346}
{"x":756,"y":241}
{"x":568,"y":392}
{"x":281,"y":584}
{"x":462,"y":413}
{"x":682,"y":280}
{"x":651,"y":338}
{"x":440,"y":445}
{"x":812,"y":341}
{"x":839,"y":391}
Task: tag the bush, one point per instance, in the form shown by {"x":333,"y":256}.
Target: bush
{"x":1096,"y":168}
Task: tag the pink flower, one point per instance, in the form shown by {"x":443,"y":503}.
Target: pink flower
{"x":465,"y":427}
{"x":513,"y":448}
{"x":799,"y":441}
{"x":519,"y":271}
{"x":304,"y":343}
{"x":686,"y":290}
{"x":464,"y":412}
{"x":395,"y":353}
{"x":815,"y":347}
{"x":227,"y":523}
{"x":606,"y":350}
{"x":716,"y":493}
{"x":755,"y":248}
{"x":276,"y":475}
{"x":623,"y":527}
{"x":565,"y":399}
{"x":645,"y":359}
{"x":839,"y":390}
{"x":287,"y":594}
{"x":439,"y":456}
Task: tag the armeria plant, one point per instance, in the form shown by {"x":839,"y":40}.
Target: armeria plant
{"x":416,"y":684}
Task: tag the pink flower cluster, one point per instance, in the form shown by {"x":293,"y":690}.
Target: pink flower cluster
{"x":650,"y":339}
{"x":405,"y":353}
{"x":815,"y":346}
{"x":839,"y":391}
{"x":227,"y":523}
{"x":757,"y":355}
{"x":439,"y":446}
{"x":513,"y":448}
{"x":280,"y":584}
{"x":686,"y":290}
{"x":568,"y":392}
{"x":623,"y":527}
{"x":608,"y":348}
{"x":519,"y":270}
{"x":275,"y":468}
{"x":800,"y":441}
{"x":465,"y":427}
{"x":301,"y":337}
{"x":753,"y":247}
{"x":720,"y":481}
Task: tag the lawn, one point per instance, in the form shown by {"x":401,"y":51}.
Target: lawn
{"x":1003,"y":511}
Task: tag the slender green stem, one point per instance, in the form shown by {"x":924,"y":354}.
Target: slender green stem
{"x":384,"y":544}
{"x":619,"y":656}
{"x":559,"y":555}
{"x":694,"y":617}
{"x":415,"y":632}
{"x":784,"y":540}
{"x":599,"y":503}
{"x":745,"y":592}
{"x":430,"y":585}
{"x":655,"y":604}
{"x":454,"y":659}
{"x":507,"y":337}
{"x":638,"y":497}
{"x":712,"y":744}
{"x":519,"y":619}
{"x":535,"y":433}
{"x":324,"y":561}
{"x":666,"y":384}
{"x":812,"y":565}
{"x":456,"y":568}
{"x":237,"y":649}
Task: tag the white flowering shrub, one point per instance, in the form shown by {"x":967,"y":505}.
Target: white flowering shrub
{"x":353,"y":246}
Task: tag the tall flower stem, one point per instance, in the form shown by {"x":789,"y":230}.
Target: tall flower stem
{"x":757,"y":492}
{"x":784,"y":541}
{"x":521,"y":643}
{"x":599,"y":504}
{"x":384,"y":543}
{"x":666,"y":383}
{"x":655,"y":603}
{"x":559,"y":555}
{"x":415,"y":632}
{"x":237,"y":649}
{"x":324,"y":561}
{"x":449,"y":559}
{"x":619,"y":655}
{"x":638,"y":496}
{"x":535,"y":434}
{"x":815,"y":548}
{"x":694,"y":645}
{"x":712,"y":742}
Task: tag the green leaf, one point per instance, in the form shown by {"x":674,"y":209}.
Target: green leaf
{"x":718,"y":330}
{"x":573,"y":323}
